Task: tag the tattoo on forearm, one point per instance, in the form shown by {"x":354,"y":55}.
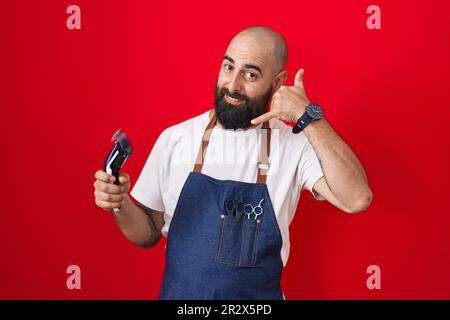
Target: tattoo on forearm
{"x":155,"y":234}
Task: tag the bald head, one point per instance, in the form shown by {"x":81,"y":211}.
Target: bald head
{"x":268,"y":41}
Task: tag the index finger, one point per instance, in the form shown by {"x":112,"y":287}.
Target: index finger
{"x":103,"y":176}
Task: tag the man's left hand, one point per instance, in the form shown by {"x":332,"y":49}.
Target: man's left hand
{"x":288,"y":103}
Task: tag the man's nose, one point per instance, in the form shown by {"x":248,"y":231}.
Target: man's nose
{"x":235,"y":84}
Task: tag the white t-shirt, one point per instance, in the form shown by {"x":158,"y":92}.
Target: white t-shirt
{"x":231,"y":155}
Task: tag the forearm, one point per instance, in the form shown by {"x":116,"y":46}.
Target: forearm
{"x":343,"y":172}
{"x":136,"y":225}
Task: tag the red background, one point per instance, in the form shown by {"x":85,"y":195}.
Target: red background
{"x":146,"y":65}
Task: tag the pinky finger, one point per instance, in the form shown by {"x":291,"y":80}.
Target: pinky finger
{"x":266,"y":116}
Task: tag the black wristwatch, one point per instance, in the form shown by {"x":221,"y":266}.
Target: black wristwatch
{"x":312,"y":113}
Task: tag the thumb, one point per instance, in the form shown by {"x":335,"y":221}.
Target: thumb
{"x":298,"y":82}
{"x":124,"y":178}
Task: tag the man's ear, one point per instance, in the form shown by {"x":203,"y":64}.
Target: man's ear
{"x":279,"y":80}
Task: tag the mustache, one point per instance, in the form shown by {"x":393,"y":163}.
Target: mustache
{"x":233,"y":95}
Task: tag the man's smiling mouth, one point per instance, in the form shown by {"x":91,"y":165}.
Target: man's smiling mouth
{"x":233,"y":100}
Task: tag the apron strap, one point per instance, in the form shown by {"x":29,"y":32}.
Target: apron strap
{"x":263,"y":164}
{"x":204,"y":145}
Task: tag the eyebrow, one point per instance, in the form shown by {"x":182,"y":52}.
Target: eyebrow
{"x":248,"y":65}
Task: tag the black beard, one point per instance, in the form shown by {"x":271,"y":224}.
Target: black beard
{"x":239,"y":117}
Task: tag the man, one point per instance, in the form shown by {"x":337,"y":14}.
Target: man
{"x":227,"y":222}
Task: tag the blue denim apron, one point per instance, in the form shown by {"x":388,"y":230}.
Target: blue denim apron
{"x":215,"y":253}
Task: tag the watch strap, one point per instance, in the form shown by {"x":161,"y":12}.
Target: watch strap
{"x":304,"y":120}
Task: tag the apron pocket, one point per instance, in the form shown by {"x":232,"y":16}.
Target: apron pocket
{"x":250,"y":237}
{"x":238,"y":241}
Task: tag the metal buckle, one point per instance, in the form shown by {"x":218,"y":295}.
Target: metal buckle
{"x":263,"y":166}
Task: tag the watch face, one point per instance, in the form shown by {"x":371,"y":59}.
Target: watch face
{"x":314,"y":111}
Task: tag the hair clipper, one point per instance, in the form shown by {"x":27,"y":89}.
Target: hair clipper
{"x":120,"y":152}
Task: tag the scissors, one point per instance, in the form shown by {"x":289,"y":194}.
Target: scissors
{"x":252,"y":210}
{"x":234,"y":209}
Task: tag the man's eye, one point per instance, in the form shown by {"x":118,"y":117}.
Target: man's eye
{"x":228,"y":67}
{"x":250,"y":75}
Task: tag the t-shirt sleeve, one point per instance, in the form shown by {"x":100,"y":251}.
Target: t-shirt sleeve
{"x":149,"y":187}
{"x":310,"y":170}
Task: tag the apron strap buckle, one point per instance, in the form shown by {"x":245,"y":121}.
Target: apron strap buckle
{"x":263,"y":166}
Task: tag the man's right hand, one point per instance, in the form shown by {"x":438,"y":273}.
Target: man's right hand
{"x":108,"y":195}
